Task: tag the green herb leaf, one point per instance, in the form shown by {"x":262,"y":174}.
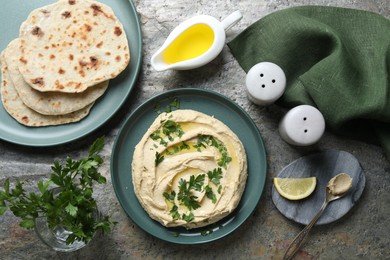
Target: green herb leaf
{"x":170,"y":196}
{"x":197,"y":182}
{"x":102,"y":180}
{"x":72,"y":210}
{"x":159,"y":158}
{"x":210,"y":194}
{"x":157,"y":108}
{"x":207,"y":232}
{"x":185,"y":195}
{"x":174,"y":104}
{"x":171,"y":127}
{"x":215,"y":175}
{"x":18,"y":190}
{"x":188,"y":217}
{"x":175,"y":213}
{"x":207,"y":140}
{"x":27,"y":223}
{"x":6,"y":186}
{"x":96,"y":146}
{"x":157,"y":136}
{"x":43,"y":185}
{"x":3,"y":209}
{"x":174,"y":210}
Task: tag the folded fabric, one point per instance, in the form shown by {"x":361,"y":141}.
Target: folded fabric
{"x":336,"y":59}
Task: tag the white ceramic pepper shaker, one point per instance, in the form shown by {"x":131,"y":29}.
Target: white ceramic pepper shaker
{"x":265,"y":83}
{"x":302,"y":125}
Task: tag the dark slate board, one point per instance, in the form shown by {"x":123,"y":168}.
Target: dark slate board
{"x":323,"y":165}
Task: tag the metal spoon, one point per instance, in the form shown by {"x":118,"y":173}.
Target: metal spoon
{"x":337,"y":187}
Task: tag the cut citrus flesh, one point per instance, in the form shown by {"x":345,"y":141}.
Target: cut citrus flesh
{"x":295,"y":188}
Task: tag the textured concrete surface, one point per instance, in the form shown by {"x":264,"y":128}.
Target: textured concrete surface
{"x":362,"y":234}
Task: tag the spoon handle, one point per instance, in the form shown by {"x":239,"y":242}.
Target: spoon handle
{"x":301,"y":237}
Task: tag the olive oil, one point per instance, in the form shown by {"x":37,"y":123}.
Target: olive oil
{"x":192,"y":43}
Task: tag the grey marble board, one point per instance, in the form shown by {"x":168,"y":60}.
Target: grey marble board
{"x":323,"y":165}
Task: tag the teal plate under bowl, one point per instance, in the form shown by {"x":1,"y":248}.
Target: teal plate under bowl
{"x":210,"y":103}
{"x":12,"y":14}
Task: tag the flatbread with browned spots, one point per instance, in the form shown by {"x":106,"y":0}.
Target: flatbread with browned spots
{"x":71,"y":45}
{"x":48,"y":103}
{"x":23,"y":114}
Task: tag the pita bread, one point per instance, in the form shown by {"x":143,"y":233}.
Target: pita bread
{"x":71,"y":45}
{"x":47,"y":103}
{"x":26,"y":116}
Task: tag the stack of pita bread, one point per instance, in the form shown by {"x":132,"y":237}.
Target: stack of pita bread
{"x":62,"y":62}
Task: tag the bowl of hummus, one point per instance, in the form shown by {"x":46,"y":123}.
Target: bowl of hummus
{"x":189,"y":169}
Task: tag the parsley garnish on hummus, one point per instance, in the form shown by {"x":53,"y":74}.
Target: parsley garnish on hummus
{"x":207,"y":140}
{"x":186,"y":196}
{"x":168,"y":129}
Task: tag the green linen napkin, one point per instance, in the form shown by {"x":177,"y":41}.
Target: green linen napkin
{"x":335,"y":59}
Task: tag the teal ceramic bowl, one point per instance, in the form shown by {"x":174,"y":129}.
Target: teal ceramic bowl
{"x":210,"y":103}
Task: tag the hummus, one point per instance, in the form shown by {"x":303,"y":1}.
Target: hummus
{"x":340,"y":184}
{"x":189,"y":169}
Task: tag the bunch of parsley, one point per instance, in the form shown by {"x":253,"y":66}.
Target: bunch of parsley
{"x":73,"y":208}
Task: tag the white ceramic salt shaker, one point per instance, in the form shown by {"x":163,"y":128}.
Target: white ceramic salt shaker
{"x":265,"y":83}
{"x":302,"y":125}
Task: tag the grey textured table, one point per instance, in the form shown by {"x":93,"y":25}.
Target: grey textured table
{"x":362,"y":234}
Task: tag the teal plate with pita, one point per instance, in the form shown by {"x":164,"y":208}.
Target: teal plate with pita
{"x":210,"y":103}
{"x":12,"y":14}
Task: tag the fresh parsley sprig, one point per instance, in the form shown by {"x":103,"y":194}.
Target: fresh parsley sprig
{"x":205,"y":140}
{"x":73,"y":208}
{"x":174,"y":104}
{"x":168,"y":128}
{"x":171,"y":127}
{"x":158,"y":158}
{"x":215,"y":175}
{"x":185,"y":194}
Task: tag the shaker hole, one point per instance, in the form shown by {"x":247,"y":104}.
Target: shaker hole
{"x":273,"y":81}
{"x":261,"y":75}
{"x":305,"y":131}
{"x":263,"y":86}
{"x":304,"y":119}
